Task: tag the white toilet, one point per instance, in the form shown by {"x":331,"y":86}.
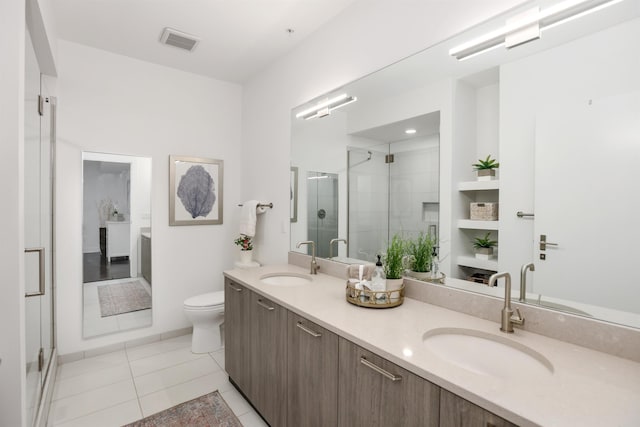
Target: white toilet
{"x":206,"y":312}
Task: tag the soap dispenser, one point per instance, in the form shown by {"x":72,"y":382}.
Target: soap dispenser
{"x":435,"y":264}
{"x":378,"y":282}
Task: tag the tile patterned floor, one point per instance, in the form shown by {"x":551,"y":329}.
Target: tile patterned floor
{"x":93,"y":322}
{"x":117,"y":388}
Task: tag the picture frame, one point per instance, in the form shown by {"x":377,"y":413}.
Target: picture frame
{"x":195,"y":191}
{"x":293,"y":210}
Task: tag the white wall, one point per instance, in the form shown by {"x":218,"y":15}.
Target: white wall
{"x":554,"y":77}
{"x":12,"y":368}
{"x":111,"y":103}
{"x":365,"y":37}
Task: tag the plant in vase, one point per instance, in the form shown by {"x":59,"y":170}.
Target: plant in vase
{"x":420,"y":252}
{"x":393,"y":267}
{"x":246,"y":247}
{"x":484,"y":246}
{"x":486,"y":169}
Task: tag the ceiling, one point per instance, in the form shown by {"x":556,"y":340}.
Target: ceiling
{"x":238,"y":37}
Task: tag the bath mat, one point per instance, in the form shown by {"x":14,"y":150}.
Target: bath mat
{"x":121,"y":298}
{"x":209,"y":410}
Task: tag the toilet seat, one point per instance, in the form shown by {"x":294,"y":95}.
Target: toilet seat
{"x":205,"y":301}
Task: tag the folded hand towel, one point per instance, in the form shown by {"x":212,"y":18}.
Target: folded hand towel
{"x":248,"y":218}
{"x":367,"y":270}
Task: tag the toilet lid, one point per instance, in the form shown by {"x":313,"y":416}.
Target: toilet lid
{"x":205,"y":300}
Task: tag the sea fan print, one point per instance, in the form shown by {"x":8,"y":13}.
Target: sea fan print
{"x":196,"y":192}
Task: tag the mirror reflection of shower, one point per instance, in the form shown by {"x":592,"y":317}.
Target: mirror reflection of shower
{"x":322,"y":210}
{"x":393,"y":184}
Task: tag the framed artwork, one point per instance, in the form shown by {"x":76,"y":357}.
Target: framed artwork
{"x":195,"y":191}
{"x":293,"y":210}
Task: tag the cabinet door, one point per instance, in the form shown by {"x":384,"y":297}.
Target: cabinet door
{"x":458,"y":412}
{"x":268,"y":359}
{"x":376,"y":392}
{"x":237,"y":348}
{"x":312,"y":372}
{"x":359,"y":388}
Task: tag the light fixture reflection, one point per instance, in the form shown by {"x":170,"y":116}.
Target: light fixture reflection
{"x":550,"y":17}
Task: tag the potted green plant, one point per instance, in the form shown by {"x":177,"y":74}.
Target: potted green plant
{"x":420,"y":251}
{"x":484,"y":246}
{"x":393,"y":267}
{"x":246,"y":248}
{"x":486,"y":169}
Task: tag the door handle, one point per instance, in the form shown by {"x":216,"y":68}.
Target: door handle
{"x":40,"y":274}
{"x":544,"y":243}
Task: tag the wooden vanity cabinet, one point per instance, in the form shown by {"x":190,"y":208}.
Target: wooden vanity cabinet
{"x":458,"y":412}
{"x":375,"y":392}
{"x":268,"y":356}
{"x":237,"y":331}
{"x":312,"y":374}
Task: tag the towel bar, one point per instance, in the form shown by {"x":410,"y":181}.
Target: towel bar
{"x":263,"y":205}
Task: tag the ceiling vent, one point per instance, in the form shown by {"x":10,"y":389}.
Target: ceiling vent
{"x":179,"y":39}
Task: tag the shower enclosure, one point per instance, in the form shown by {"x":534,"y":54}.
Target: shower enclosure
{"x":322,"y":210}
{"x":39,"y":155}
{"x":392,"y":188}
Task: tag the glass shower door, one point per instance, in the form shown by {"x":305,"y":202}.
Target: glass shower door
{"x":38,"y":220}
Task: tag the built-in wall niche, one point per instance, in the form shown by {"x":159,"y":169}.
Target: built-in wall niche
{"x":116,"y":236}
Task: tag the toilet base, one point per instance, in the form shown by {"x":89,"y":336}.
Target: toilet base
{"x":207,"y":339}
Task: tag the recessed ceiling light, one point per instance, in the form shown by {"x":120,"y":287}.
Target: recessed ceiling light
{"x":410,"y":131}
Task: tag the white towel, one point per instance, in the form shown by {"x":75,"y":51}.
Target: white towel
{"x":248,"y":218}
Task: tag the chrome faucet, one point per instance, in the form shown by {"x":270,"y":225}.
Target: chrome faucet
{"x":314,"y":264}
{"x":507,"y":318}
{"x":331,"y":245}
{"x":523,"y":280}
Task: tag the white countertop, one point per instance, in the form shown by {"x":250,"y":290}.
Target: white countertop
{"x":587,"y":388}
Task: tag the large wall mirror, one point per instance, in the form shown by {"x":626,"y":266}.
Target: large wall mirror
{"x":561,"y":114}
{"x":116,"y":243}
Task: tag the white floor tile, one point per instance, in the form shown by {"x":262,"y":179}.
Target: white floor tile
{"x":162,"y":361}
{"x":164,"y":399}
{"x":236,"y":402}
{"x":252,"y":419}
{"x":218,"y":356}
{"x":117,"y":415}
{"x":92,"y":364}
{"x":90,"y":381}
{"x":175,"y":375}
{"x":159,"y":347}
{"x":79,"y":405}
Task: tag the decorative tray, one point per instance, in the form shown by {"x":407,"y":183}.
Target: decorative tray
{"x":375,"y":299}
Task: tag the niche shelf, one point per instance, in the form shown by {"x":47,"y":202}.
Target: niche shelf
{"x":484,"y":264}
{"x":479,"y":185}
{"x":470,"y":224}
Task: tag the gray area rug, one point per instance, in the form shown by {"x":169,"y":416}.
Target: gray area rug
{"x":209,"y":410}
{"x":120,"y":298}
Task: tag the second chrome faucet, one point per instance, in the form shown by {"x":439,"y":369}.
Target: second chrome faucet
{"x":314,"y":264}
{"x":507,"y":318}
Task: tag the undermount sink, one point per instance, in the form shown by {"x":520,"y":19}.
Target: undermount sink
{"x":486,"y":354}
{"x":286,"y":279}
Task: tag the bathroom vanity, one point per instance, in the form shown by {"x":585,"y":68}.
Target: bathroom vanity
{"x":343,"y":365}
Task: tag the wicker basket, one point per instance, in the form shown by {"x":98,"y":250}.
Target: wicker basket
{"x":374,"y":299}
{"x":487,"y":211}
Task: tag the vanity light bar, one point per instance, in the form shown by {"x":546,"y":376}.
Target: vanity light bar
{"x":324,"y":108}
{"x":544,"y":19}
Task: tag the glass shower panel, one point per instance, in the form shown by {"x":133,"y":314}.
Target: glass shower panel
{"x":38,"y":220}
{"x":368,"y":198}
{"x":414,"y":182}
{"x":32,"y":229}
{"x":322,"y":210}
